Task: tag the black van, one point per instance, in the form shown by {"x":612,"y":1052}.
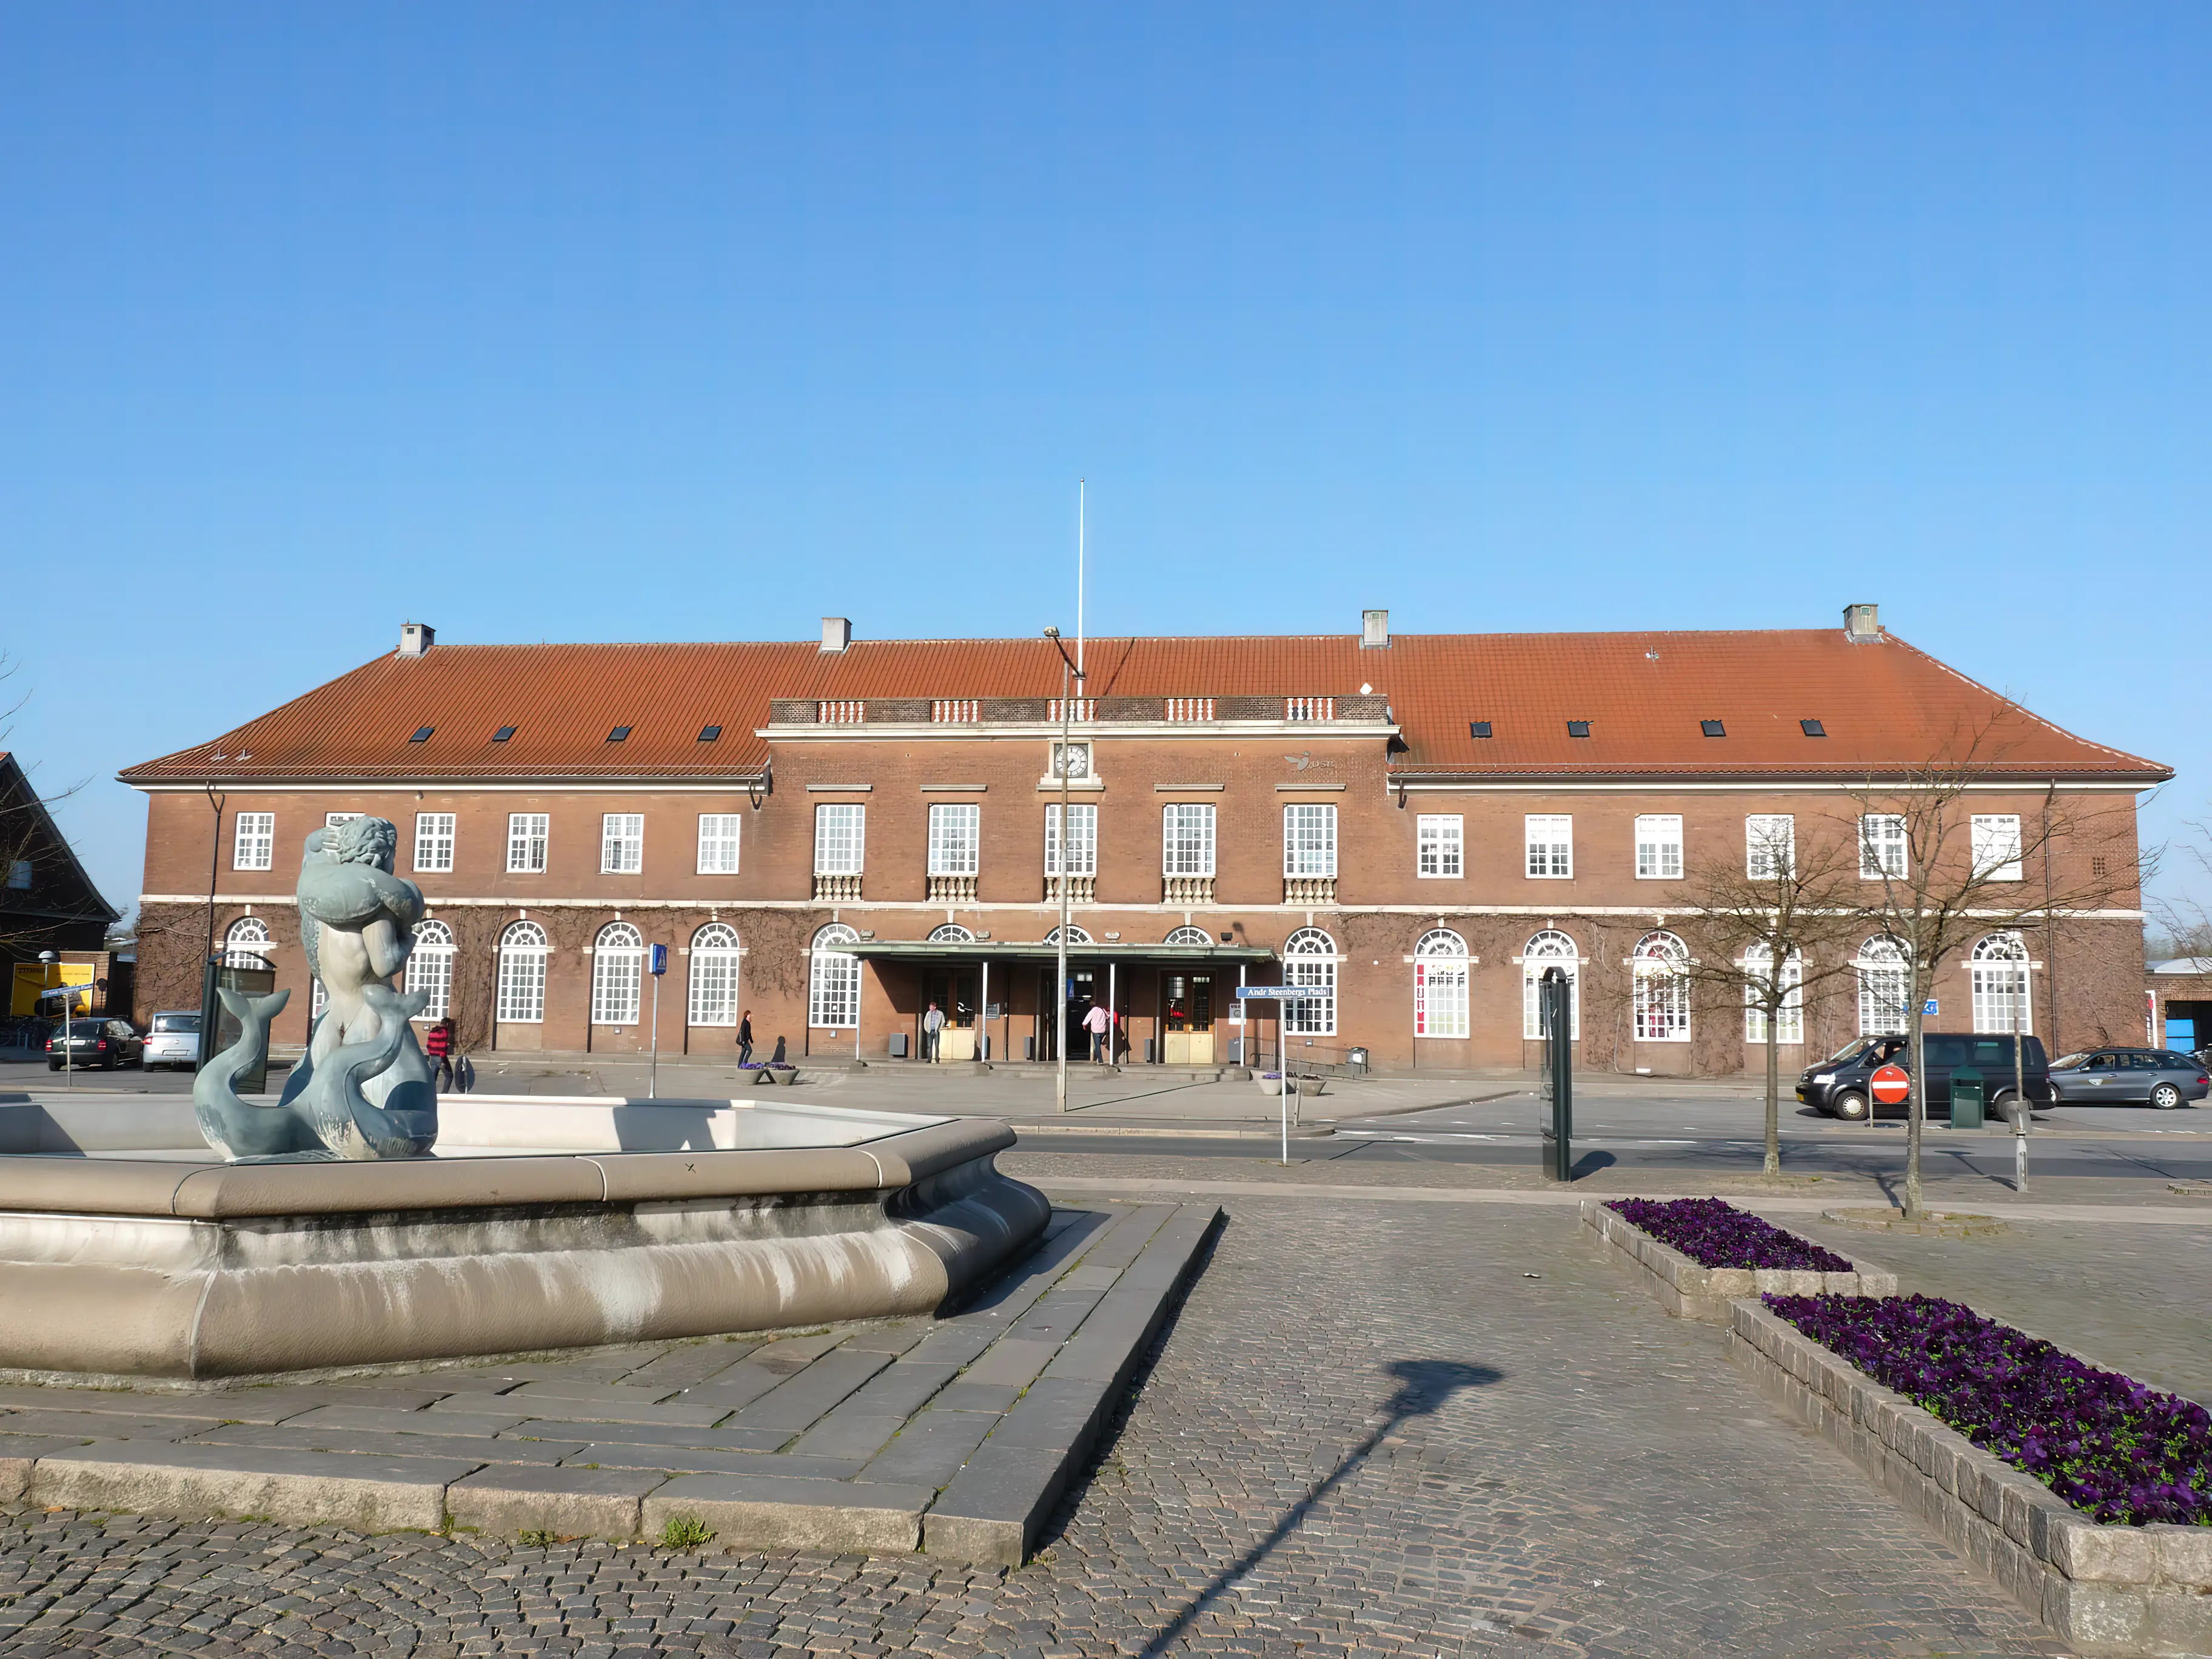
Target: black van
{"x":1838,"y":1087}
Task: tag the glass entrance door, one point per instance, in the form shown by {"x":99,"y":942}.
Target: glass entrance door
{"x":954,"y":989}
{"x":1187,"y":1021}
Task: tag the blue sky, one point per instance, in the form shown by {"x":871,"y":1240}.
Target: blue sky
{"x":701,"y":321}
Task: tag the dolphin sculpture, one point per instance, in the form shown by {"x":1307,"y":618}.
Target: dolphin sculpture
{"x":237,"y":1127}
{"x":328,"y":1097}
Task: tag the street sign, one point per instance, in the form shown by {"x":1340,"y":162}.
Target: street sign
{"x":659,"y":960}
{"x":1890,"y":1084}
{"x":1281,"y":993}
{"x":1928,"y":1008}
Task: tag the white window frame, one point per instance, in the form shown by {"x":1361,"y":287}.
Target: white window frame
{"x":245,"y":943}
{"x":1998,"y":975}
{"x":955,"y":838}
{"x":430,"y":969}
{"x":1188,"y":934}
{"x":1440,"y":847}
{"x":1308,"y":840}
{"x":1550,"y":949}
{"x":1658,"y":847}
{"x":1764,"y":833}
{"x":1083,"y":843}
{"x":719,"y":835}
{"x":1882,"y":965}
{"x":1993,"y":833}
{"x":1548,"y":840}
{"x":332,"y":820}
{"x":1187,"y":843}
{"x":433,"y":843}
{"x":617,"y":974}
{"x":833,"y":989}
{"x":18,"y":874}
{"x":529,"y":839}
{"x":1310,"y":957}
{"x":711,"y":998}
{"x":840,"y":838}
{"x":1441,"y":970}
{"x":522,"y":953}
{"x":1882,"y":851}
{"x":1660,"y":991}
{"x":1789,"y":1027}
{"x":621,"y":843}
{"x":253,"y":841}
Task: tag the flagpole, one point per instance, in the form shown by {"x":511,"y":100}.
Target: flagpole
{"x":1079,"y":489}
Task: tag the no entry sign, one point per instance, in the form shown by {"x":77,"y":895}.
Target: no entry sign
{"x":1890,"y":1084}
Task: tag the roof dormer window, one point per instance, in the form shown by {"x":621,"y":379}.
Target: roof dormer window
{"x":422,"y":734}
{"x":1812,"y":728}
{"x":620,"y":734}
{"x":1712,"y":728}
{"x":709,"y":733}
{"x":502,"y":735}
{"x":1478,"y":728}
{"x":1578,"y":728}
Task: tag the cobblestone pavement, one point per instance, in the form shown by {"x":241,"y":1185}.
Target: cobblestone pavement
{"x":1374,"y":1429}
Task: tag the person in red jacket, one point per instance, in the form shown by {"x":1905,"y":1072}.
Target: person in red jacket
{"x":438,"y":1045}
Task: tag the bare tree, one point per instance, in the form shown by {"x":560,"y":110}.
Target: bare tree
{"x":1940,"y":874}
{"x":27,"y":837}
{"x":1773,"y":920}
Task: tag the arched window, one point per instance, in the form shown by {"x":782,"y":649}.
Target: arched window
{"x":1075,"y":936}
{"x":1998,"y":966}
{"x":522,"y":974}
{"x":714,"y":1000}
{"x":618,"y":974}
{"x":833,"y":995}
{"x":1440,"y":984}
{"x":1661,"y":988}
{"x":1550,"y":949}
{"x":1884,"y":984}
{"x":1791,"y":1027}
{"x":950,"y":932}
{"x":430,"y":968}
{"x":1309,"y":958}
{"x":1189,"y":936}
{"x":245,"y":943}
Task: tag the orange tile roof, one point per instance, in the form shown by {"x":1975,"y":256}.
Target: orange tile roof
{"x":1884,"y":705}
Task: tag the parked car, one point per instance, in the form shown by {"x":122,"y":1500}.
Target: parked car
{"x":174,"y":1039}
{"x":1840,"y":1085}
{"x":93,"y":1041}
{"x":2134,"y":1076}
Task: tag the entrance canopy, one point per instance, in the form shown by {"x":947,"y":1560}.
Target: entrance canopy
{"x":1032,"y":951}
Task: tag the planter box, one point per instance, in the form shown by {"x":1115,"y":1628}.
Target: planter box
{"x":1688,"y":1291}
{"x":1270,"y":1085}
{"x":787,"y":1076}
{"x":2102,"y":1588}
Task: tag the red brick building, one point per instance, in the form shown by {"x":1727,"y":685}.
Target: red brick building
{"x":835,"y":836}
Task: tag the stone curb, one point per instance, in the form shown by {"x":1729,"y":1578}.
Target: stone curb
{"x":1689,"y":1290}
{"x":2103,"y":1588}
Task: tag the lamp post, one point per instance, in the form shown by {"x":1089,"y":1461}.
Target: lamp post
{"x":1068,"y":673}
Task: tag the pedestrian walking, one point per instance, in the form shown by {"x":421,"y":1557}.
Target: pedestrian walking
{"x":1099,"y":1022}
{"x":746,"y":1038}
{"x":933,"y":1023}
{"x":438,"y":1045}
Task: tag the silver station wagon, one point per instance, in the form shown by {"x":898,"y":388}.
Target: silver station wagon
{"x":174,"y":1039}
{"x":2129,"y":1077}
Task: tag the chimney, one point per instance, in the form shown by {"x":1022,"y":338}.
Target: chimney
{"x":1861,"y":623}
{"x":415,"y":639}
{"x":837,"y":633}
{"x":1374,"y":630}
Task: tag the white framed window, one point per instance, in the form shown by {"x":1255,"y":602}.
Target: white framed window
{"x":840,"y":839}
{"x":1187,"y":839}
{"x":1770,"y":845}
{"x":715,"y":955}
{"x":319,"y":997}
{"x":527,"y":834}
{"x":1882,"y":847}
{"x":1884,"y":985}
{"x":621,"y":843}
{"x":1660,"y":1001}
{"x":245,"y":943}
{"x":1187,"y":935}
{"x":1998,"y":969}
{"x":332,"y":820}
{"x":1440,"y":972}
{"x":1550,"y":838}
{"x":1996,"y":846}
{"x":1550,"y":949}
{"x":434,"y":841}
{"x":19,"y":874}
{"x":955,"y":838}
{"x":1309,"y":958}
{"x":1308,"y":840}
{"x":618,"y":974}
{"x":1658,"y":846}
{"x":833,"y":992}
{"x":1075,"y":936}
{"x":430,"y":968}
{"x":951,"y":933}
{"x":522,"y":953}
{"x":1082,"y":840}
{"x":1791,"y":1027}
{"x":718,"y":843}
{"x":1440,"y":845}
{"x":254,"y":847}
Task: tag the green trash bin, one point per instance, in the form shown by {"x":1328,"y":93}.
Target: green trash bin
{"x":1969,"y":1098}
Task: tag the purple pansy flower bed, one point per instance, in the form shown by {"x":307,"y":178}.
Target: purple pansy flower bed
{"x":1714,"y":1233}
{"x":2113,"y":1449}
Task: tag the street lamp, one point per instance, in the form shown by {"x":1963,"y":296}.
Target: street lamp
{"x":1068,"y":671}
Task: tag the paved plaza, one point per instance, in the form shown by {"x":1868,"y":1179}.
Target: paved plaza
{"x":1383,"y":1423}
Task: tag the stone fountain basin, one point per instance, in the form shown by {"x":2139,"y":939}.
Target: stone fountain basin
{"x":129,"y":1252}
